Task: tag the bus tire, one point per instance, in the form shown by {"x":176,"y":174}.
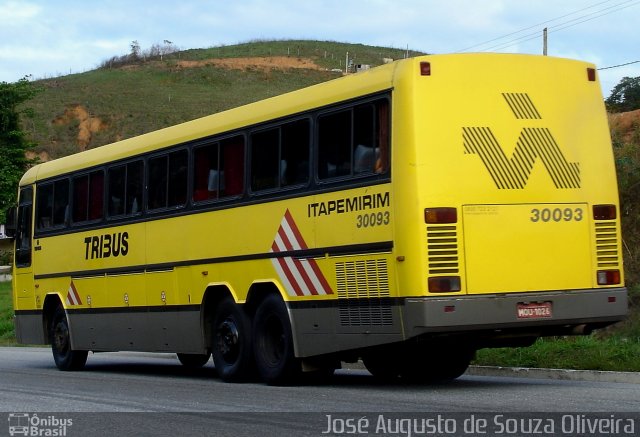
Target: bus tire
{"x":437,"y":364}
{"x":273,"y":343}
{"x":64,"y":356}
{"x":383,"y":363}
{"x":193,"y":361}
{"x":231,"y":337}
{"x":454,"y":365}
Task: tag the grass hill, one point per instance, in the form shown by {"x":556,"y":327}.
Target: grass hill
{"x":108,"y":104}
{"x":133,"y":96}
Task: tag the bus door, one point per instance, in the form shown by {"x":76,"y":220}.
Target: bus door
{"x":23,"y":281}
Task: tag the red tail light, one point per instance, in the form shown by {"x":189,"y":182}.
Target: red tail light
{"x":591,"y":74}
{"x":608,"y":277}
{"x":440,"y":215}
{"x":604,"y":212}
{"x":444,"y":284}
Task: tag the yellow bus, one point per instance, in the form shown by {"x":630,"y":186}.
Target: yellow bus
{"x":405,"y":216}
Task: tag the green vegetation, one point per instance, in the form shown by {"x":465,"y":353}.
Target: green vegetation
{"x":143,"y":94}
{"x":13,"y":141}
{"x":148,"y":90}
{"x":625,"y":96}
{"x":7,"y":333}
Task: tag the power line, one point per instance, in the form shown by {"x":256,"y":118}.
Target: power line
{"x":535,"y":26}
{"x":619,"y":65}
{"x":560,"y":26}
{"x":569,"y":23}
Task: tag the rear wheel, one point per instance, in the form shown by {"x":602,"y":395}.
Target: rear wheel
{"x":273,"y":343}
{"x":193,"y":361}
{"x":231,"y":349}
{"x":64,"y":356}
{"x":384,"y":363}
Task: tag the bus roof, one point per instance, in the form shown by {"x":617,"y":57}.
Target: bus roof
{"x":352,"y":86}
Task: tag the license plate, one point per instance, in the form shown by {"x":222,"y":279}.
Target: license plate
{"x":538,"y":310}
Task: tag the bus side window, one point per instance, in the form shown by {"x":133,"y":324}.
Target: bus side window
{"x":232,"y":166}
{"x":364,"y":139}
{"x":382,"y":155}
{"x":44,"y":206}
{"x":265,"y":159}
{"x":52,"y":203}
{"x":294,"y":163}
{"x":61,"y":202}
{"x":354,"y":141}
{"x":206,"y":174}
{"x":168,"y":180}
{"x":178,"y":176}
{"x":23,"y":228}
{"x":124,"y":192}
{"x":334,"y":145}
{"x":218,"y":169}
{"x":88,"y":196}
{"x":280,"y":156}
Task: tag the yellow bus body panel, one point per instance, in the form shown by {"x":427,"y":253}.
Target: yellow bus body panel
{"x":502,"y":138}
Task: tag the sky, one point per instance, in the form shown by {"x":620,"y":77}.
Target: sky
{"x":48,"y":38}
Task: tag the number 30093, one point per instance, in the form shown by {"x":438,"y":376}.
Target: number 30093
{"x":373,"y":219}
{"x":556,"y":215}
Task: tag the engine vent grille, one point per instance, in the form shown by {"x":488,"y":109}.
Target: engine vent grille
{"x":607,"y":244}
{"x":363,"y":293}
{"x":442,"y":247}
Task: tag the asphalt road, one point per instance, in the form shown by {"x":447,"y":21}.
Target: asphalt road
{"x":143,"y":394}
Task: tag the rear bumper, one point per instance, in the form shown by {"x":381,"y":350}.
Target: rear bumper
{"x":594,"y":308}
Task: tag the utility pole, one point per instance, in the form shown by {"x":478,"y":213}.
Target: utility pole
{"x":544,"y":41}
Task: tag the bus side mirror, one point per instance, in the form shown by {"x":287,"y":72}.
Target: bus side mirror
{"x":10,"y":222}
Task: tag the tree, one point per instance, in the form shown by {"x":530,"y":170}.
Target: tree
{"x":135,"y":50}
{"x":13,"y":141}
{"x":625,"y":96}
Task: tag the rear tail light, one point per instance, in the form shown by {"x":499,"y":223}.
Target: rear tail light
{"x":608,"y":277}
{"x":440,"y":215}
{"x":444,"y":284}
{"x":604,"y":212}
{"x":591,"y":74}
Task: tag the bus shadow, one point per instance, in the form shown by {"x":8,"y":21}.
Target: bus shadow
{"x":163,"y":367}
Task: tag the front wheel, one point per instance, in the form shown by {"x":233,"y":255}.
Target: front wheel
{"x":273,"y":343}
{"x":231,"y":349}
{"x":64,"y":356}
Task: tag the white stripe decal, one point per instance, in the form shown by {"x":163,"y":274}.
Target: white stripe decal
{"x":293,"y":272}
{"x":73,"y":298}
